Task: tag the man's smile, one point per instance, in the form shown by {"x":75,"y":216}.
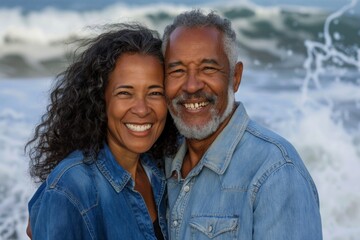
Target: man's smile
{"x":195,"y":106}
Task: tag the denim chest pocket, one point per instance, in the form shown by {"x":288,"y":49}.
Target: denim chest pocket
{"x":214,"y":227}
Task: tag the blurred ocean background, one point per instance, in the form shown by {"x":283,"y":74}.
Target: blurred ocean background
{"x":301,"y":79}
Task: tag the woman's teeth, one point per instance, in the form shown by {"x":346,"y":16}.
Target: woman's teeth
{"x":138,"y":128}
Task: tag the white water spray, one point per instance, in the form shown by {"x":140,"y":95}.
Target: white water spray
{"x":332,"y":145}
{"x":320,"y":53}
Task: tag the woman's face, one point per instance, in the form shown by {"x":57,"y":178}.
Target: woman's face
{"x":135,"y":103}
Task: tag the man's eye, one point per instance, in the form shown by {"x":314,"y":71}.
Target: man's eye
{"x":177,"y":72}
{"x":209,"y":70}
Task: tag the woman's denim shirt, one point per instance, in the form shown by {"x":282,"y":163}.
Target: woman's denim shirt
{"x":95,"y":200}
{"x":250,"y":184}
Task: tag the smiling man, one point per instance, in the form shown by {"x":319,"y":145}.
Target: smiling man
{"x":231,"y":178}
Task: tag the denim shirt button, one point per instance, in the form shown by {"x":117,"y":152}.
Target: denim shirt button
{"x":186,"y":188}
{"x":210,"y":228}
{"x":175,"y":223}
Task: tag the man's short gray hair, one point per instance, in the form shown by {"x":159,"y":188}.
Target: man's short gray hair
{"x":196,"y":18}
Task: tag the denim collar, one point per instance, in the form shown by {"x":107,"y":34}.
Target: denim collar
{"x":117,"y":176}
{"x":218,"y":156}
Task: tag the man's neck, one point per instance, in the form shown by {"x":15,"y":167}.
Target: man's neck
{"x":197,"y":148}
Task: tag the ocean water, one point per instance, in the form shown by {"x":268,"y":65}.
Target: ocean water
{"x":301,"y":79}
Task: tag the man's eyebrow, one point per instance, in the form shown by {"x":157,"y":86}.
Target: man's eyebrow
{"x":210,"y":61}
{"x":174,"y":64}
{"x":180,"y":63}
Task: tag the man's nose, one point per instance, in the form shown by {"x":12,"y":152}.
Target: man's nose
{"x":140,"y":107}
{"x":193,"y":83}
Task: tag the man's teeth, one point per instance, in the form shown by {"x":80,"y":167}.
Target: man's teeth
{"x":194,"y":106}
{"x":138,"y":128}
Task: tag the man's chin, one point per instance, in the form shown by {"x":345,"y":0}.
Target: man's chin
{"x":199,"y":130}
{"x":196,"y":126}
{"x":193,"y":125}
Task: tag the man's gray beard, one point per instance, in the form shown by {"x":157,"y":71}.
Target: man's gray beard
{"x":200,"y":132}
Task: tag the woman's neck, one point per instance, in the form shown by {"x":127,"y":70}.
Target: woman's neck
{"x":126,"y":159}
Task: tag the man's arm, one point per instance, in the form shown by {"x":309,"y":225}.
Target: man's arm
{"x":286,"y":207}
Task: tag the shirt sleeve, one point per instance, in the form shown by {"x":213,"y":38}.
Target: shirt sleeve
{"x":286,"y":207}
{"x":56,"y":216}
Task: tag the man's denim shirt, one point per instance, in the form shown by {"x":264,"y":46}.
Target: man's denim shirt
{"x":95,"y":201}
{"x":250,"y":184}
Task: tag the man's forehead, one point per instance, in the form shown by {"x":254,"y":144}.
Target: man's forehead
{"x":185,"y":40}
{"x":194,"y":32}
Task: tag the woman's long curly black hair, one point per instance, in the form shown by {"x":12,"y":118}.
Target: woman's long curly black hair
{"x":76,"y":117}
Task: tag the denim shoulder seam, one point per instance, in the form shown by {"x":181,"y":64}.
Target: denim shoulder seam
{"x":54,"y":185}
{"x":260,"y":181}
{"x":77,"y":205}
{"x":272,"y":170}
{"x":281,"y":148}
{"x":73,"y":199}
{"x":286,"y":157}
{"x":55,"y":181}
{"x":270,"y":140}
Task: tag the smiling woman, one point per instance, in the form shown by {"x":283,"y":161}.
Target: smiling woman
{"x":135,"y":104}
{"x":98,"y":145}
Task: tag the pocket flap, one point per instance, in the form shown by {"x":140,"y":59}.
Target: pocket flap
{"x":213,"y":226}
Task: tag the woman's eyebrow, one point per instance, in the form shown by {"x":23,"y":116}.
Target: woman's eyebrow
{"x":156,"y":86}
{"x":124,"y":86}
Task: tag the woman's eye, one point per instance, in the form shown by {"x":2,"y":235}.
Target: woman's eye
{"x":157,"y":93}
{"x":122,"y":93}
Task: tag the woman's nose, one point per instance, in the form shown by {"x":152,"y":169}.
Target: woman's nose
{"x":140,"y":108}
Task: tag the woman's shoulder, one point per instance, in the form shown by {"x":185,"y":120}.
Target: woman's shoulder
{"x":69,"y":164}
{"x":73,"y":179}
{"x":70,"y":185}
{"x":73,"y":174}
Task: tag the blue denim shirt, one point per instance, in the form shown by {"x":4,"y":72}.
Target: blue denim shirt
{"x":250,"y":184}
{"x":95,"y":201}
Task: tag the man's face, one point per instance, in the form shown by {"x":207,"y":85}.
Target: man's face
{"x":197,"y":83}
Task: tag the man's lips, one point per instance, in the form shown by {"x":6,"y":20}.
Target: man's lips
{"x":196,"y":105}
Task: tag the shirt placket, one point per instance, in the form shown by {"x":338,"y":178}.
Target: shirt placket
{"x":141,"y":213}
{"x":159,"y":190}
{"x":177,"y":215}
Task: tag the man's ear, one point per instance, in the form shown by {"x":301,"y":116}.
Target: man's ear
{"x":237,"y":76}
